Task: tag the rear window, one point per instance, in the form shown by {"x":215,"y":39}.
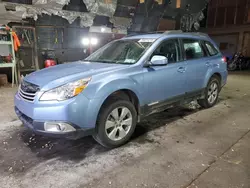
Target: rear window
{"x":193,"y":49}
{"x":211,"y":49}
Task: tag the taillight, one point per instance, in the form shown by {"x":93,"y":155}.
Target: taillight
{"x":224,"y":59}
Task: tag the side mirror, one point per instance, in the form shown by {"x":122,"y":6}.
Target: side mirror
{"x":159,"y":60}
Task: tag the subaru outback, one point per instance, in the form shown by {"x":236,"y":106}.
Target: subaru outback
{"x":114,"y":88}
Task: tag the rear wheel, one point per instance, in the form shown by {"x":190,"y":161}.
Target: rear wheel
{"x":232,"y":66}
{"x":116,"y":123}
{"x":211,"y":93}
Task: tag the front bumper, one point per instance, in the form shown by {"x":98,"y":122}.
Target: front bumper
{"x":76,"y":110}
{"x":38,"y":128}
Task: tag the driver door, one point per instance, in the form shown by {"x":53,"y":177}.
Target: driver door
{"x":166,"y":83}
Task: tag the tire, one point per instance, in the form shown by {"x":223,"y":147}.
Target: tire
{"x":118,"y":133}
{"x":232,"y":67}
{"x":207,"y":102}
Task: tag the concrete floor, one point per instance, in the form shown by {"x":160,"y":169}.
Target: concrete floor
{"x":179,"y":148}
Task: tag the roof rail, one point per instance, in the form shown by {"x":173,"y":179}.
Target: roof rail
{"x":168,"y":32}
{"x":133,"y":34}
{"x":143,"y":33}
{"x":201,"y":34}
{"x":181,"y":32}
{"x":155,"y":32}
{"x":173,"y":32}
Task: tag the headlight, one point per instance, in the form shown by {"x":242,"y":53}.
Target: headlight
{"x":66,"y":91}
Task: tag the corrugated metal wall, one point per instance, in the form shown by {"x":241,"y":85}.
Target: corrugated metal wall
{"x":166,"y":24}
{"x":224,"y":12}
{"x":19,"y":1}
{"x":227,"y":43}
{"x":56,"y":36}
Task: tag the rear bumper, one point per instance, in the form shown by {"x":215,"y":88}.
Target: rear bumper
{"x":38,"y":128}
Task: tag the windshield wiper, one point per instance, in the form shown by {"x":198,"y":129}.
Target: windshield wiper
{"x":109,"y":62}
{"x":101,"y":61}
{"x":88,"y":60}
{"x":124,"y":63}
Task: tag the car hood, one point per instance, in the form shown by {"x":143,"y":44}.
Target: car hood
{"x":61,"y":74}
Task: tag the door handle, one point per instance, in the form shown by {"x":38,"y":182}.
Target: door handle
{"x":208,"y":64}
{"x":181,"y":69}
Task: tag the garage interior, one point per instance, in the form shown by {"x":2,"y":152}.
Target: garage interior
{"x":182,"y":147}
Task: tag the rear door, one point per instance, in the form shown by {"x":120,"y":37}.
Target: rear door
{"x":198,"y":63}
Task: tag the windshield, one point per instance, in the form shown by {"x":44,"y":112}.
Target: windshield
{"x":121,"y":51}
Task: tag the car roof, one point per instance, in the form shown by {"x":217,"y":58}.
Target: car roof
{"x":144,"y":36}
{"x":174,"y":33}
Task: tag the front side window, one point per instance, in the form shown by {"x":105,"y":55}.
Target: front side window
{"x":127,"y":51}
{"x":170,"y":49}
{"x":193,"y":49}
{"x":211,"y":49}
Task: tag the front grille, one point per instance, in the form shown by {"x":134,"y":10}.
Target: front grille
{"x":27,"y":121}
{"x":23,"y":117}
{"x":28,"y":91}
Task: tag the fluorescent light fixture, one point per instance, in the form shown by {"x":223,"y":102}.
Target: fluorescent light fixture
{"x":102,"y":29}
{"x":85,"y":41}
{"x":94,"y":41}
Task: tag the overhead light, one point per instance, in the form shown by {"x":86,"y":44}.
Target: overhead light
{"x":102,"y":29}
{"x":89,"y":41}
{"x":85,"y":41}
{"x":93,"y":41}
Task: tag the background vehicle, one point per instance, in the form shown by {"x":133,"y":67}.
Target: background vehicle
{"x":114,"y":88}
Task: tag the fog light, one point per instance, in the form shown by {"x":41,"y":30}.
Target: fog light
{"x":58,"y":127}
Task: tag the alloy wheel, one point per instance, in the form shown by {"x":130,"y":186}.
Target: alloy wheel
{"x":118,"y":123}
{"x":213,"y":92}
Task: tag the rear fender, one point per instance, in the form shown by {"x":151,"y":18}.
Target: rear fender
{"x":210,"y":73}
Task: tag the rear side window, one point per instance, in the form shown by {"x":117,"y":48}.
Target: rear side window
{"x":211,"y":49}
{"x":193,"y":49}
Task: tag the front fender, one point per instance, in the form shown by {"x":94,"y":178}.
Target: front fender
{"x":104,"y":91}
{"x":124,"y":83}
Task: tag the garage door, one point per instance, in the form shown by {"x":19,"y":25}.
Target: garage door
{"x":227,"y":43}
{"x":246,"y":44}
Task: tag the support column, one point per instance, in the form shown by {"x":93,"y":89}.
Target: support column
{"x":240,"y":41}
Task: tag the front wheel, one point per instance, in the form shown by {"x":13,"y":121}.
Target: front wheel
{"x":232,"y":66}
{"x":116,"y":123}
{"x":211,"y":93}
